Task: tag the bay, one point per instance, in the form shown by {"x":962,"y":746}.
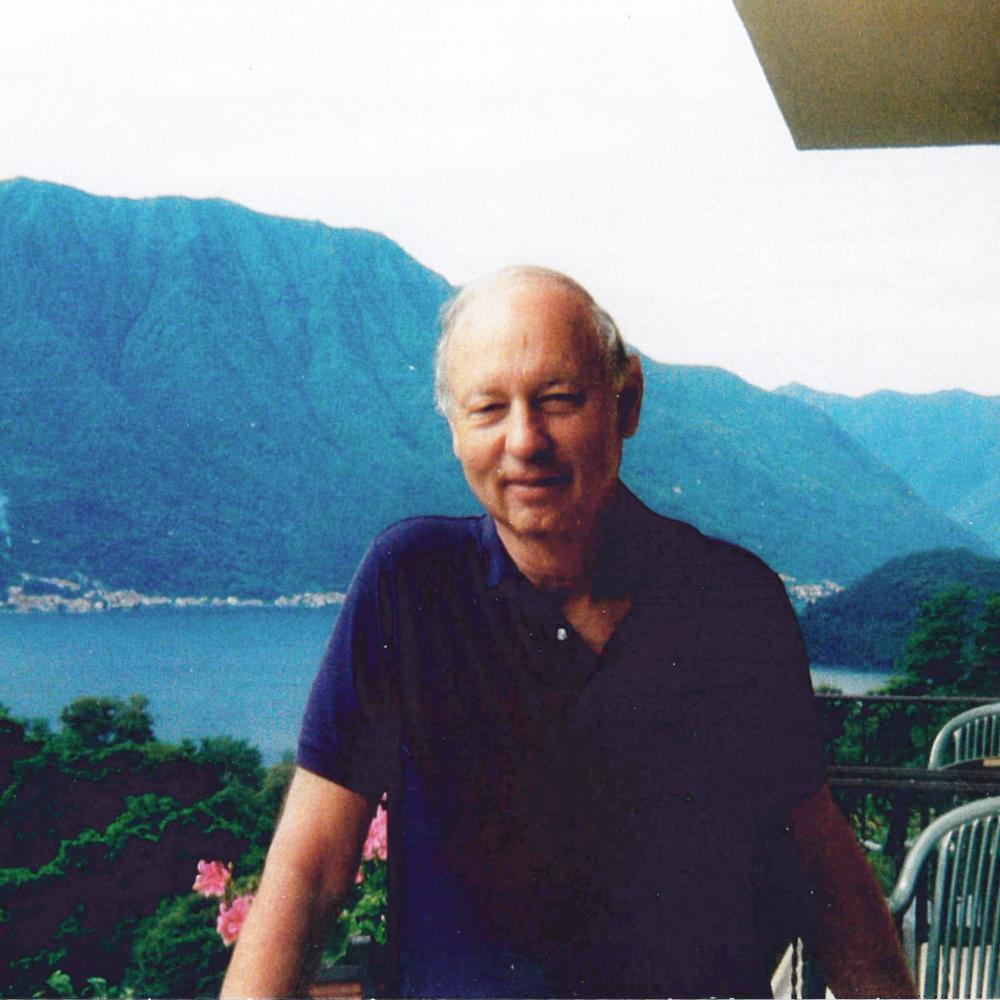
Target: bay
{"x":847,"y":679}
{"x":241,"y":672}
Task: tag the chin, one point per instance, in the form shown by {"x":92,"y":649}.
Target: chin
{"x":538,"y":522}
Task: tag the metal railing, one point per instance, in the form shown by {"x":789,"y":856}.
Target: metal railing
{"x":877,"y":748}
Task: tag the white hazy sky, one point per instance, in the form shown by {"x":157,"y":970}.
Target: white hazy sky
{"x":634,"y":145}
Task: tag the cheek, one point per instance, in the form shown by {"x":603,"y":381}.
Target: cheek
{"x":475,"y":452}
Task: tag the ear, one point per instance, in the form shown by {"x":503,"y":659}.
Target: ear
{"x":630,"y":398}
{"x":454,"y":440}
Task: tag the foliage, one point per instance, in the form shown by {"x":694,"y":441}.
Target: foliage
{"x":101,"y":722}
{"x":176,"y":951}
{"x":935,"y":658}
{"x":950,"y":652}
{"x":103,"y":844}
{"x":61,"y":985}
{"x":985,"y":658}
{"x":364,"y":914}
{"x":223,"y":375}
{"x":234,"y":760}
{"x":866,"y":625}
{"x":94,"y":839}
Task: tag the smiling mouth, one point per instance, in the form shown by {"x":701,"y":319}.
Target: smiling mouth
{"x":538,"y":483}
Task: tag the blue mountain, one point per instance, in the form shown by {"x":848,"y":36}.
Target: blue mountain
{"x":944,"y":444}
{"x":197,"y":398}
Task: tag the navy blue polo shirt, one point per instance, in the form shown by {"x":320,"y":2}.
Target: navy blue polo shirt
{"x":563,"y":823}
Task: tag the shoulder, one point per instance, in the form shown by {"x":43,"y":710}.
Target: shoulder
{"x":740,"y":566}
{"x":424,"y":545}
{"x":426,"y":535}
{"x":716,"y":562}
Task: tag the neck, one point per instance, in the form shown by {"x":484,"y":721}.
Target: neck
{"x":561,"y":561}
{"x":552,"y":563}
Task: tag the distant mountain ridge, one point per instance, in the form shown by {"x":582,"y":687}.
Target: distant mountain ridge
{"x":199,"y":399}
{"x":945,"y":444}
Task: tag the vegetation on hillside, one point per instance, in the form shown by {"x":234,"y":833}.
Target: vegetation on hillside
{"x":953,"y":651}
{"x":102,"y":829}
{"x":866,"y":625}
{"x":244,"y":402}
{"x":944,"y":444}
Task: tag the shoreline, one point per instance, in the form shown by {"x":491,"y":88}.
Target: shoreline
{"x":69,"y":597}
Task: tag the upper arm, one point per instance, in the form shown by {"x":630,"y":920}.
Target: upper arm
{"x":320,"y":833}
{"x":822,"y":838}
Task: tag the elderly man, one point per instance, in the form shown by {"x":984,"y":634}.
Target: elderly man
{"x":595,"y":725}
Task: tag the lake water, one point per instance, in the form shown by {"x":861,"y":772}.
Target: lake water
{"x":241,"y":672}
{"x":848,"y":680}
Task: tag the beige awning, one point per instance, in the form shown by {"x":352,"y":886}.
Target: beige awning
{"x":862,"y":73}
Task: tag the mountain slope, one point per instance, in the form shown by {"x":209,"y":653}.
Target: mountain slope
{"x":200,"y":399}
{"x":866,"y":625}
{"x":776,"y":476}
{"x":196,"y":394}
{"x":945,"y":444}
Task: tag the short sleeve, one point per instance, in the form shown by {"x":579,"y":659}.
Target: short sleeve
{"x":349,"y":732}
{"x":791,"y":744}
{"x":754,"y":632}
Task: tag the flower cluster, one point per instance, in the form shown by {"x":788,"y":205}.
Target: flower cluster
{"x":377,"y":841}
{"x":230,"y":919}
{"x":376,"y":846}
{"x":214,"y":879}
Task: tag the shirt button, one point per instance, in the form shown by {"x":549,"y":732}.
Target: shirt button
{"x":561,"y":634}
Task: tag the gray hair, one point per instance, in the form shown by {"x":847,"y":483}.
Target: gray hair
{"x":612,"y":347}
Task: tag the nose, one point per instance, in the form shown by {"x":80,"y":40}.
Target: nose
{"x":527,"y":437}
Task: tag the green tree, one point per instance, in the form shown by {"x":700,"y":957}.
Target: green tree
{"x":936,"y":662}
{"x":983,"y":675}
{"x":176,"y":952}
{"x":235,"y":760}
{"x":936,"y":649}
{"x":98,"y":722}
{"x":133,"y":723}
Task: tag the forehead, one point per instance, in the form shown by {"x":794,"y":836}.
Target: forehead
{"x":522,"y":325}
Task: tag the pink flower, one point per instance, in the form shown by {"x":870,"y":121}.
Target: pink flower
{"x":377,"y":842}
{"x":212,"y":878}
{"x":230,"y":919}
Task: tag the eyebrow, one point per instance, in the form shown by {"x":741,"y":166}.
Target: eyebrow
{"x":488,"y":391}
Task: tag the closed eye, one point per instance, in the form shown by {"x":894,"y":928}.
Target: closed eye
{"x":561,"y":402}
{"x":486,"y":411}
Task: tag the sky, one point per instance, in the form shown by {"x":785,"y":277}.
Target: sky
{"x":635,"y":146}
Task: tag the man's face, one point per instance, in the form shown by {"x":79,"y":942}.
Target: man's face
{"x":533,"y":421}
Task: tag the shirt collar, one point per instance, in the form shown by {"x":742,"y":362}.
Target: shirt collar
{"x":621,"y":560}
{"x":499,"y":566}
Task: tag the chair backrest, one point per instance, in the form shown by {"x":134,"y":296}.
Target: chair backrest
{"x":960,"y":955}
{"x":971,"y":735}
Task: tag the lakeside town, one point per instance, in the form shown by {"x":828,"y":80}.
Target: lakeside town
{"x":51,"y":594}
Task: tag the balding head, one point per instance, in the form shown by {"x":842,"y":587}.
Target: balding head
{"x":608,"y":339}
